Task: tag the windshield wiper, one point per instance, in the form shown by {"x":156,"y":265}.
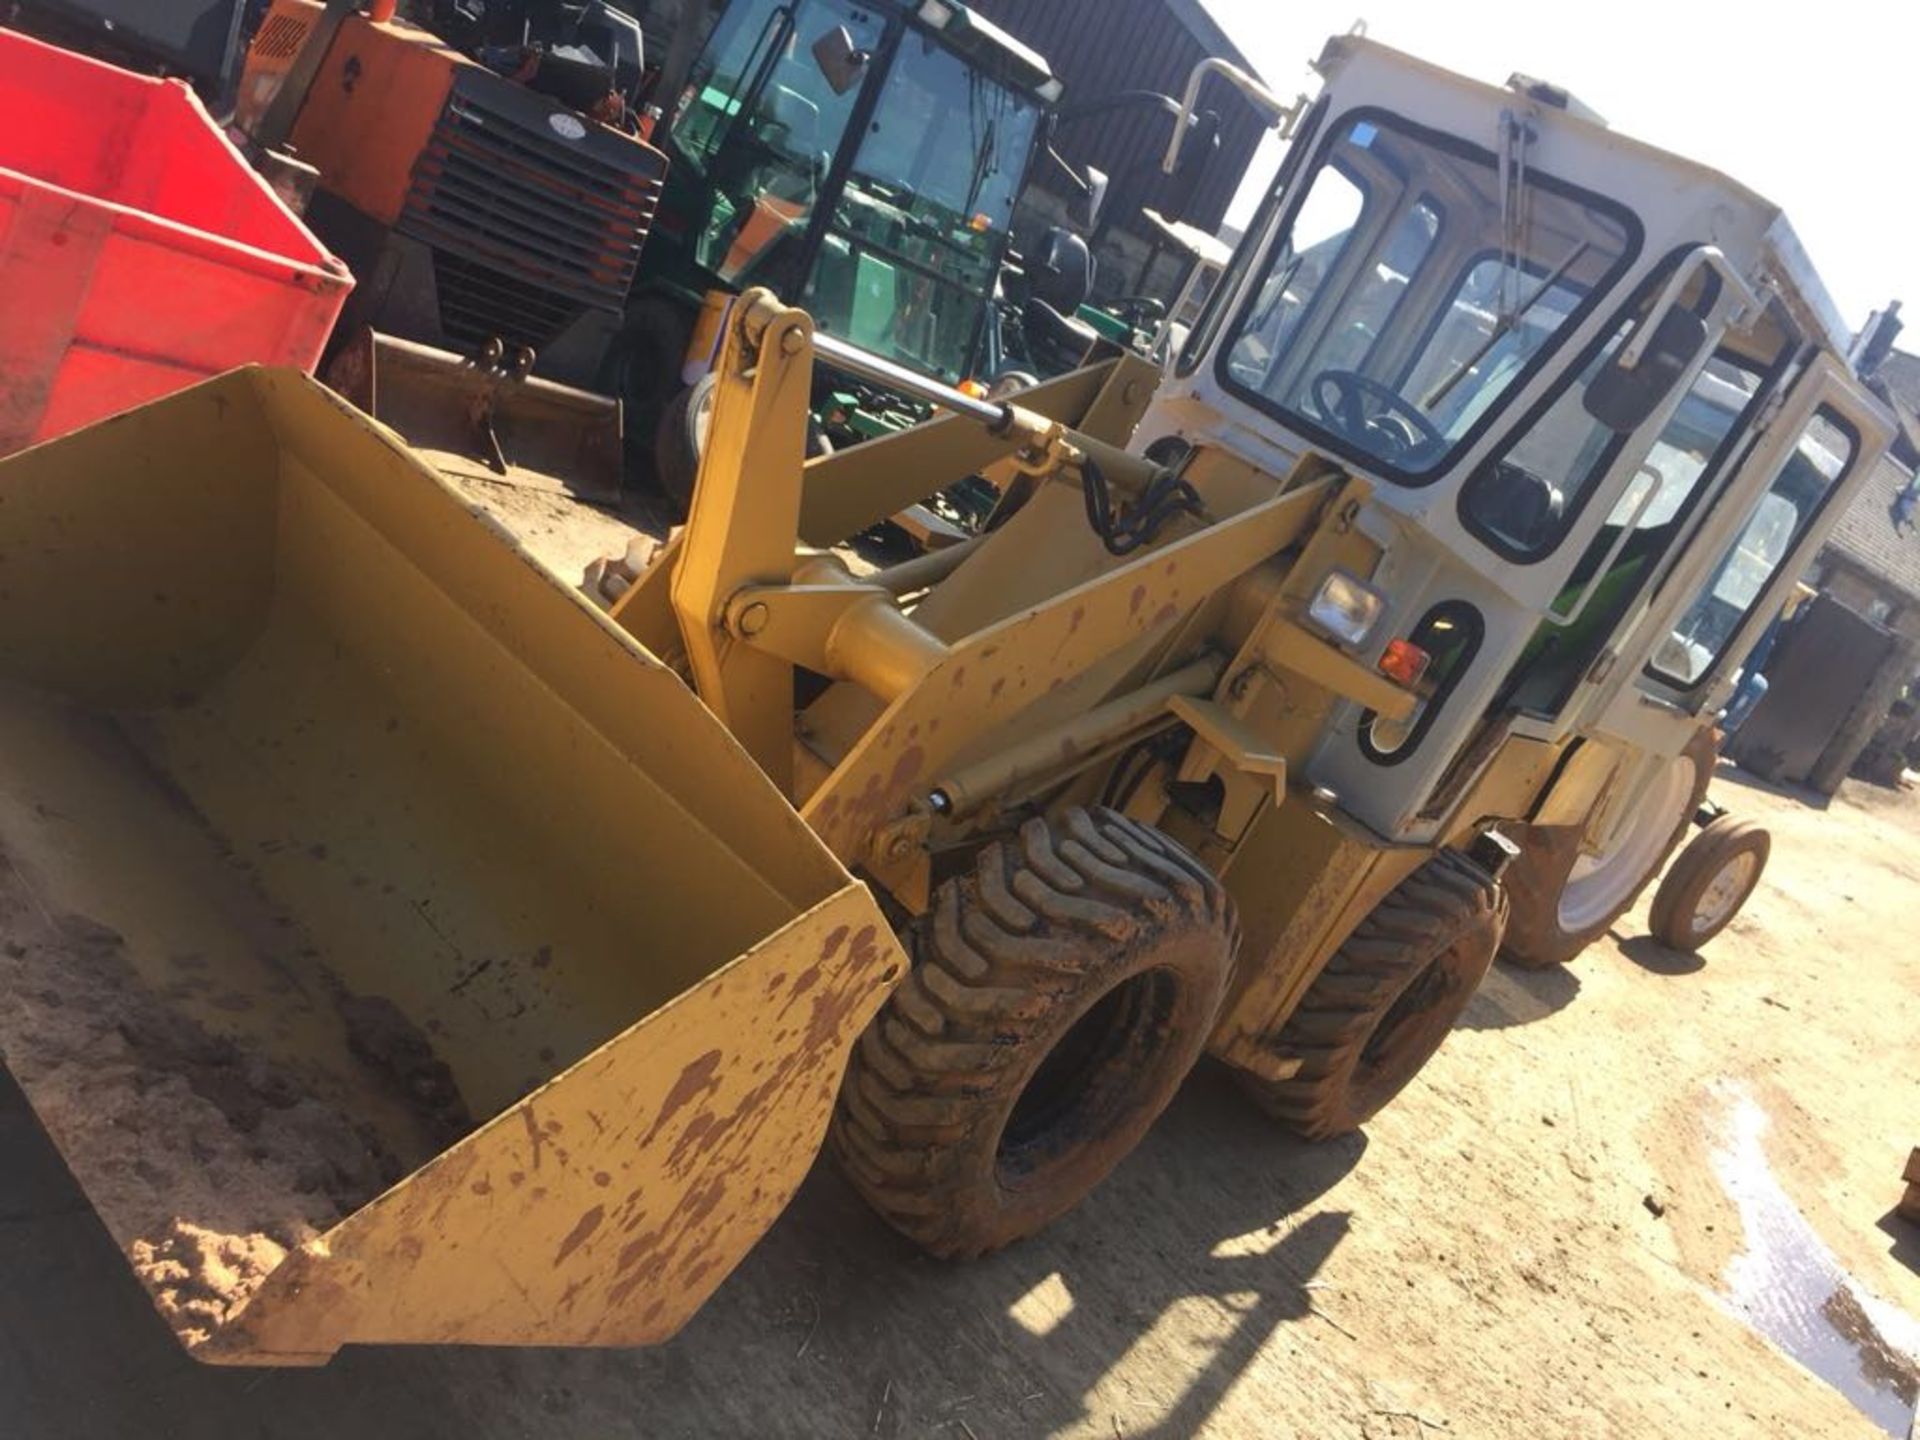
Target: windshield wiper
{"x":981,"y":159}
{"x":1516,"y":210}
{"x":1504,"y":325}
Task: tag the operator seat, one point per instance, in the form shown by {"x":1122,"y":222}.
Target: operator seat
{"x":1057,"y":285}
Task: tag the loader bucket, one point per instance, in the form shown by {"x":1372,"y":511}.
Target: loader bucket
{"x":477,"y":419}
{"x":395,"y":951}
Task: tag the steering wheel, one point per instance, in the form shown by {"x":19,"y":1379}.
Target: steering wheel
{"x":1343,"y":397}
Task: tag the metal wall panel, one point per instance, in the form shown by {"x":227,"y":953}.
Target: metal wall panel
{"x":1102,"y":47}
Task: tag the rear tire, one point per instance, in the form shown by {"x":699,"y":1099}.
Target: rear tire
{"x":1709,"y":884}
{"x":1545,"y":929}
{"x":1059,"y":995}
{"x":1387,"y":999}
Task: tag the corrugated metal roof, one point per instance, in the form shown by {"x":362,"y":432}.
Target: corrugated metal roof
{"x":1104,"y":47}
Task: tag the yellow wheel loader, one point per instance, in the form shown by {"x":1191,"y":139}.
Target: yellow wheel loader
{"x":402,"y":950}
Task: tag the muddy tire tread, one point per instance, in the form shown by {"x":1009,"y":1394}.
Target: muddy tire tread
{"x":992,"y":957}
{"x":1446,"y":897}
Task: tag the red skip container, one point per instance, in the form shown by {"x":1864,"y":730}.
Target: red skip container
{"x":139,"y":253}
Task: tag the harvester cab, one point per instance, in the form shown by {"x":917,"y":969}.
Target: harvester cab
{"x":860,"y":160}
{"x":492,"y":200}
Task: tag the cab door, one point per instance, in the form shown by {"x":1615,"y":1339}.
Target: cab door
{"x":1670,"y":673}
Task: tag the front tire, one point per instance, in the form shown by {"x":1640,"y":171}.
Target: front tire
{"x":1709,"y":884}
{"x":1059,"y":995}
{"x":1387,"y":999}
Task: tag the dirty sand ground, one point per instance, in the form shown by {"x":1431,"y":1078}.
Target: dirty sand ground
{"x":1481,"y":1263}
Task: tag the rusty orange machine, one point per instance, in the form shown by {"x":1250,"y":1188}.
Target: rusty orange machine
{"x":484,"y":216}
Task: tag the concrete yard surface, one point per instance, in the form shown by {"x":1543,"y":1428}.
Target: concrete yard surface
{"x":1538,"y":1239}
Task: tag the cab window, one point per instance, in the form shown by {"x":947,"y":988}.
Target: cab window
{"x":1524,"y":499}
{"x":1736,"y":585}
{"x":761,"y":123}
{"x":1689,"y":451}
{"x":1412,"y":289}
{"x":917,"y":234}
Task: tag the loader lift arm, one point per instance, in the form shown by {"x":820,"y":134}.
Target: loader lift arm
{"x":756,"y":607}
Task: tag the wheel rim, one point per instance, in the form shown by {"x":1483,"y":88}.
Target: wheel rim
{"x":1721,"y":898}
{"x":1600,"y":885}
{"x":1412,"y":1029}
{"x":700,"y":420}
{"x":1091,"y":1077}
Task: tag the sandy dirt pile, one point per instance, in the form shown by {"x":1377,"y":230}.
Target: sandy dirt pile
{"x":200,"y":1278}
{"x":207,"y":1162}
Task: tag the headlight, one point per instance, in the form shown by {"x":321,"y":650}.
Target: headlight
{"x":1346,"y":608}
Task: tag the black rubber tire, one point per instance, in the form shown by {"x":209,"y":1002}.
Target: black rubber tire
{"x":1059,"y":995}
{"x":1677,"y":901}
{"x":644,"y":366}
{"x":676,"y":448}
{"x":1535,"y":939}
{"x":1386,"y":1000}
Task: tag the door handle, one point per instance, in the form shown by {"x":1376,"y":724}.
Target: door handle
{"x":1563,"y":619}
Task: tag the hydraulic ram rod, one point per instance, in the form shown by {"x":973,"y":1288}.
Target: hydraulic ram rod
{"x":1125,"y":472}
{"x":995,"y":415}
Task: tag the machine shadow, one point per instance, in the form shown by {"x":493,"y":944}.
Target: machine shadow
{"x":1514,"y":995}
{"x":1905,"y":1235}
{"x":833,"y":1326}
{"x":1217,"y":1206}
{"x":1657,"y":959}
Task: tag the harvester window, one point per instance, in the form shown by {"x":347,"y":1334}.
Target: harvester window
{"x":761,"y":122}
{"x":918,"y":232}
{"x":1817,"y":465}
{"x":1404,"y":298}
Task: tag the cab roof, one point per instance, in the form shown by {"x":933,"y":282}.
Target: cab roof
{"x":1785,"y":269}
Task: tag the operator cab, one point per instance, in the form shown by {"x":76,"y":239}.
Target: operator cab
{"x":1596,"y":391}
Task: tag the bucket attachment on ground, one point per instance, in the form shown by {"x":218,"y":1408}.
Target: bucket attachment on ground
{"x":394,"y":949}
{"x":485,"y":418}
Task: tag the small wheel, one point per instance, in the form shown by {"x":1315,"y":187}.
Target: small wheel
{"x":680,"y":441}
{"x":1706,"y":887}
{"x":1563,"y":900}
{"x":1387,"y":999}
{"x":1059,"y":995}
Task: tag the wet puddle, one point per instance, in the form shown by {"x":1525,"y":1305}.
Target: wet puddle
{"x":1788,"y":1285}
